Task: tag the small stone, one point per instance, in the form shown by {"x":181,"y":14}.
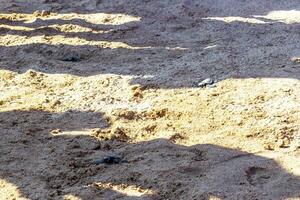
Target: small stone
{"x":37,"y":13}
{"x":212,"y":86}
{"x":55,"y":131}
{"x":295,"y":60}
{"x":45,"y":13}
{"x":206,"y":82}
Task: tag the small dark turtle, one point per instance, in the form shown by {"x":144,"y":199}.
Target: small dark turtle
{"x":109,"y":160}
{"x":73,"y":58}
{"x":68,"y":55}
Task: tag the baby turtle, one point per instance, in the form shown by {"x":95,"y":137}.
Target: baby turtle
{"x":109,"y":160}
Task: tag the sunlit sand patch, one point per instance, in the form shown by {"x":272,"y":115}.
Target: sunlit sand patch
{"x":71,"y":133}
{"x":284,"y":16}
{"x":177,"y":48}
{"x":100,"y":18}
{"x":290,"y":164}
{"x":287,"y":17}
{"x":71,"y":28}
{"x":128,"y":190}
{"x":15,"y":17}
{"x":16,"y":28}
{"x":66,"y":28}
{"x":10,"y":191}
{"x":16,"y":40}
{"x":214,"y":198}
{"x":25,"y":96}
{"x":211,"y":47}
{"x":71,"y":197}
{"x":236,"y":19}
{"x":234,"y":110}
{"x":97,"y":18}
{"x":10,"y":40}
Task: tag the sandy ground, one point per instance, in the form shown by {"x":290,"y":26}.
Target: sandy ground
{"x":82,"y":80}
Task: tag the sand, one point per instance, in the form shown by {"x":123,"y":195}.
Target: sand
{"x":83,"y":80}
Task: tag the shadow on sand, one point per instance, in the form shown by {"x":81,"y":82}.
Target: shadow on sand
{"x":168,"y":50}
{"x":49,"y":164}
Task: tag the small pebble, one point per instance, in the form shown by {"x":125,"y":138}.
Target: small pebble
{"x":209,"y":82}
{"x":56,"y":131}
{"x":42,"y":13}
{"x":45,"y":13}
{"x":295,"y":60}
{"x":36,"y":13}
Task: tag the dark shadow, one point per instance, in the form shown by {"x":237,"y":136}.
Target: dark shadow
{"x":44,"y":26}
{"x":43,"y":162}
{"x":212,"y":48}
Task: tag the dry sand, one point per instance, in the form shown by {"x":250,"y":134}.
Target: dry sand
{"x":81,"y":80}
